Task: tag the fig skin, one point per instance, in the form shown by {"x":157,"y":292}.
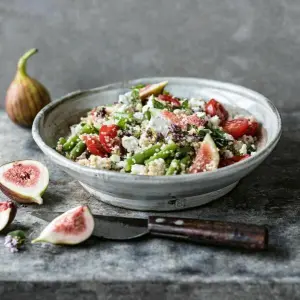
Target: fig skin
{"x":27,"y":197}
{"x":25,"y":96}
{"x":12,"y":212}
{"x":153,"y":89}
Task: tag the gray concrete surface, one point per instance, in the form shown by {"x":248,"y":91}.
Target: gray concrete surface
{"x":85,"y":44}
{"x":165,"y":269}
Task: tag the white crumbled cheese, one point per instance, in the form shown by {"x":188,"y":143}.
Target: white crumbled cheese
{"x":115,"y":158}
{"x":243,"y":150}
{"x":120,"y":164}
{"x":149,"y":104}
{"x":228,"y":137}
{"x":75,"y":129}
{"x":228,"y":154}
{"x":201,"y":114}
{"x":138,"y":116}
{"x":84,"y":162}
{"x":197,"y":104}
{"x":214,"y":121}
{"x":144,"y":141}
{"x":130,"y":143}
{"x":156,"y":167}
{"x":238,"y":145}
{"x":125,"y":99}
{"x":159,"y":124}
{"x":138,"y":169}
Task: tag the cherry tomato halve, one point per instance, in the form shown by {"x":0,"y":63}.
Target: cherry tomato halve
{"x":94,"y":146}
{"x":170,"y":99}
{"x":236,"y":127}
{"x":232,"y":160}
{"x":252,"y":128}
{"x":108,"y":137}
{"x":215,"y":108}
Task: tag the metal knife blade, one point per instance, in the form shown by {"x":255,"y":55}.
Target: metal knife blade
{"x":108,"y":227}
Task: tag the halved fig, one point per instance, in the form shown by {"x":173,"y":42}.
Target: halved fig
{"x":72,"y":227}
{"x":152,"y":89}
{"x":207,"y":157}
{"x":8,"y":212}
{"x":24,"y":181}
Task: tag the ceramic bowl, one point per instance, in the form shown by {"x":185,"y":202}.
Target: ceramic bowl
{"x":160,"y":193}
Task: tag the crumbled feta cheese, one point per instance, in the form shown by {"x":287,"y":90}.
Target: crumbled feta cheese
{"x":83,"y":162}
{"x":159,"y":124}
{"x":156,"y":167}
{"x":243,"y":150}
{"x":197,"y":104}
{"x":228,"y":154}
{"x":75,"y":129}
{"x":138,"y":116}
{"x":214,"y":121}
{"x":138,"y":169}
{"x":130,"y":143}
{"x":228,"y":137}
{"x":201,"y":114}
{"x":238,"y":145}
{"x":115,"y":158}
{"x":120,"y":164}
{"x":149,"y":104}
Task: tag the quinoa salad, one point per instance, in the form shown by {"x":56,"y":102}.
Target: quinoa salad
{"x":149,"y":131}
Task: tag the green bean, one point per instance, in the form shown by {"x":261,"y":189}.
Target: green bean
{"x":174,"y":167}
{"x":61,"y":141}
{"x":88,"y":129}
{"x":167,"y":151}
{"x":140,"y":157}
{"x":71,"y":142}
{"x":185,"y":162}
{"x":77,"y":150}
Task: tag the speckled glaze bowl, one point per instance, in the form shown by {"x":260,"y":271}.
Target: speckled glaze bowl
{"x":159,"y":193}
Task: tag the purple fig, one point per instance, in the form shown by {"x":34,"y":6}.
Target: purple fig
{"x":71,"y":228}
{"x":24,"y":181}
{"x":25,"y":96}
{"x":8,"y":212}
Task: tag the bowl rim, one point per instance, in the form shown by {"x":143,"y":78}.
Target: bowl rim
{"x":61,"y":160}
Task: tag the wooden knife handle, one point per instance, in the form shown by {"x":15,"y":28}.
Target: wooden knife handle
{"x":211,"y":232}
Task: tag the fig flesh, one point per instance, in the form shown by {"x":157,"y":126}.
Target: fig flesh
{"x":72,"y":227}
{"x":8,"y":212}
{"x":207,"y":157}
{"x":152,"y":89}
{"x":24,"y":181}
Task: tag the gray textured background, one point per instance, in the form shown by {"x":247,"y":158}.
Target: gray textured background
{"x":88,"y":43}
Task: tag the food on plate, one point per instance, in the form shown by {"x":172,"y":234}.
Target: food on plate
{"x":72,"y":227}
{"x":25,"y":96}
{"x":24,"y":181}
{"x":150,"y":131}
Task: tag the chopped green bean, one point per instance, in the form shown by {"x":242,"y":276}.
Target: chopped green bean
{"x":140,"y":157}
{"x":77,"y":150}
{"x":88,"y":129}
{"x":185,"y":162}
{"x":71,"y":142}
{"x":167,"y":151}
{"x":174,"y":167}
{"x":61,"y":141}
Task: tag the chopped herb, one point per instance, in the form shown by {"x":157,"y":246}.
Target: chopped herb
{"x":138,"y":87}
{"x":158,"y":105}
{"x":185,"y":104}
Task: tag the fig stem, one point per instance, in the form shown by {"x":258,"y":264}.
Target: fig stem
{"x":23,"y":60}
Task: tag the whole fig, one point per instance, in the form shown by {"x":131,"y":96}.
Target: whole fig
{"x":25,"y":96}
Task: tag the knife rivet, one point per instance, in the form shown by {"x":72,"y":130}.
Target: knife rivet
{"x":159,"y":220}
{"x":179,"y":222}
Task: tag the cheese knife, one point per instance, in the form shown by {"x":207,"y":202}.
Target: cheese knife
{"x":206,"y":232}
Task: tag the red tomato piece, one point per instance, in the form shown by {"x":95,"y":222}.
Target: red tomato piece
{"x":171,"y":99}
{"x":236,"y":127}
{"x":232,"y":160}
{"x":252,"y":128}
{"x":93,"y":145}
{"x":215,"y":108}
{"x":108,"y":137}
